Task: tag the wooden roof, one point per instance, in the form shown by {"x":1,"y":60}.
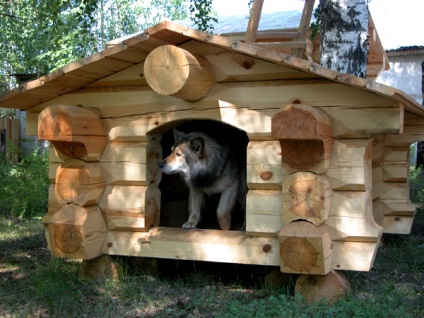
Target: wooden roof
{"x":134,"y":49}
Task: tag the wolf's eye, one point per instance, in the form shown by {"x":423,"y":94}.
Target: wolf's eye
{"x":178,"y":154}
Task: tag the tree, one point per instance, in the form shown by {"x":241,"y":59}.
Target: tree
{"x":344,"y":36}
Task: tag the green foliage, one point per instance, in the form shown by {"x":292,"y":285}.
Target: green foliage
{"x":24,"y":186}
{"x":202,"y":15}
{"x":416,"y":185}
{"x":40,"y":36}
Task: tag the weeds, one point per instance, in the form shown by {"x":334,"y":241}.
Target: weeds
{"x":35,"y":284}
{"x":24,"y":186}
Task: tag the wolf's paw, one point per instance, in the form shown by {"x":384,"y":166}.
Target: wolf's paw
{"x":189,"y":225}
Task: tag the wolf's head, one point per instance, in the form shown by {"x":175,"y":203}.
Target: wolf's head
{"x":186,"y":150}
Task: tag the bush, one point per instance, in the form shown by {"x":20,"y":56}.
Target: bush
{"x":416,"y":185}
{"x":24,"y":186}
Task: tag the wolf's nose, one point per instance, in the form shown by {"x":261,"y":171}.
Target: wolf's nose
{"x":161,"y":164}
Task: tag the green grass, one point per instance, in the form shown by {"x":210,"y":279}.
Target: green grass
{"x":33,"y":284}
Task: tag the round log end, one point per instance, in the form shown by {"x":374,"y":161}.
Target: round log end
{"x":172,"y":71}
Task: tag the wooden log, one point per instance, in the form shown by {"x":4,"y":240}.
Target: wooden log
{"x":358,"y":255}
{"x":351,"y":217}
{"x":351,"y":165}
{"x":79,"y":182}
{"x":329,"y":288}
{"x":305,"y":249}
{"x":75,"y":231}
{"x":135,"y":208}
{"x":132,"y":163}
{"x":306,"y":196}
{"x":53,"y":204}
{"x":226,"y":246}
{"x":172,"y":71}
{"x":76,"y":132}
{"x":305,"y":137}
{"x":264,"y":169}
{"x":263,"y":212}
{"x":196,"y":244}
{"x":131,"y":112}
{"x":99,"y":269}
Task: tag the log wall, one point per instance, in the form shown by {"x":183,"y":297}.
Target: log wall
{"x":323,"y":160}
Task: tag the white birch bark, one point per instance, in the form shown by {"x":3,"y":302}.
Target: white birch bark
{"x":344,"y":36}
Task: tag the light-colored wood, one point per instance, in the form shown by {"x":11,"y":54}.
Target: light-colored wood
{"x":350,"y":167}
{"x":253,"y":24}
{"x":351,"y":217}
{"x":226,"y":246}
{"x":329,"y":288}
{"x":135,"y":208}
{"x":397,"y":224}
{"x":132,"y":163}
{"x":263,"y":212}
{"x":99,"y":269}
{"x":31,"y":122}
{"x":306,"y":196}
{"x":305,"y":138}
{"x":304,"y":25}
{"x":173,"y":71}
{"x":201,"y":245}
{"x":358,"y":255}
{"x":264,"y":169}
{"x":53,"y":205}
{"x":79,"y":182}
{"x":75,"y":231}
{"x":305,"y":249}
{"x":76,"y":132}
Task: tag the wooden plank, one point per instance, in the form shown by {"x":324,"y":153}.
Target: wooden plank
{"x":264,"y":170}
{"x":31,"y":128}
{"x":358,"y":256}
{"x":264,"y":212}
{"x":397,"y":224}
{"x":132,"y":163}
{"x":255,"y":16}
{"x":351,"y":218}
{"x":226,"y":246}
{"x":350,"y":165}
{"x":131,"y":207}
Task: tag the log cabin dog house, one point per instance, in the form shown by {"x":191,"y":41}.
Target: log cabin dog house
{"x":326,"y":154}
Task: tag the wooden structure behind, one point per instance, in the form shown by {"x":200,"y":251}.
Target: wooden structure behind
{"x":9,"y":142}
{"x":326,"y":159}
{"x":298,"y":42}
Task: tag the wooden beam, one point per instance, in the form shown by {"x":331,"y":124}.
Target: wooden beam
{"x":255,"y":16}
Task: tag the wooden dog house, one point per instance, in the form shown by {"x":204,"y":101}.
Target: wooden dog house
{"x":327,"y":154}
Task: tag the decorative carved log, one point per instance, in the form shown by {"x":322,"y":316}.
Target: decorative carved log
{"x":132,"y":163}
{"x":305,"y":249}
{"x":305,"y":137}
{"x":172,"y":71}
{"x":75,"y":232}
{"x":306,"y":196}
{"x":330,"y":287}
{"x":135,"y":208}
{"x":79,"y":182}
{"x":76,"y":132}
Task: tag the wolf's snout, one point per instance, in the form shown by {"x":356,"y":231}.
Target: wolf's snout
{"x":161,"y":164}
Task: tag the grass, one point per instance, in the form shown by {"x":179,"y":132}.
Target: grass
{"x":33,"y":284}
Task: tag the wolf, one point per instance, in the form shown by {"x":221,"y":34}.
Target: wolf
{"x":208,"y":167}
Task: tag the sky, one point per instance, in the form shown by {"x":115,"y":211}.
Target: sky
{"x":398,"y":23}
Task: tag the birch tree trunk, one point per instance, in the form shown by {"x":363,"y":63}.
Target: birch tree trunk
{"x":344,"y":36}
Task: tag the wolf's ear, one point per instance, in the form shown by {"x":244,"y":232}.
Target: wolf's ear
{"x":177,"y":133}
{"x":196,"y":145}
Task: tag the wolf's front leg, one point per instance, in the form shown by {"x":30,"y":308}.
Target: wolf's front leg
{"x":225,"y":207}
{"x":195,"y":204}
